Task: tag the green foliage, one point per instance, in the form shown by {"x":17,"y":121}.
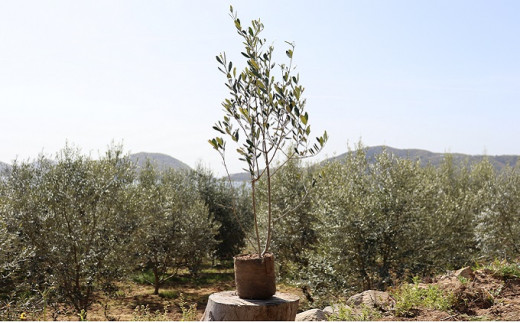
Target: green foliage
{"x":393,"y":218}
{"x":82,"y":315}
{"x":170,"y":294}
{"x":225,"y":203}
{"x":412,"y":296}
{"x":364,"y":313}
{"x":294,"y":233}
{"x":175,"y":228}
{"x":73,"y":213}
{"x":504,"y":269}
{"x":264,"y":115}
{"x":71,"y":227}
{"x":143,"y":313}
{"x":499,"y":221}
{"x":189,"y":311}
{"x":463,"y":280}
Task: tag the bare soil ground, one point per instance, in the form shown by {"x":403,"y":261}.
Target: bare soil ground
{"x":485,"y":296}
{"x":131,"y":295}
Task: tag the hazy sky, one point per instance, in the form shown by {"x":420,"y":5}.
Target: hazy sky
{"x":437,"y":75}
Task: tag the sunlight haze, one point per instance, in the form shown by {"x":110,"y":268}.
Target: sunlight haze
{"x":437,"y":75}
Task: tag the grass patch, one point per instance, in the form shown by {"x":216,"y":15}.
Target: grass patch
{"x":189,"y":311}
{"x":169,"y":294}
{"x":504,"y":269}
{"x":365,"y":313}
{"x":143,"y":313}
{"x":143,"y":277}
{"x":204,"y":278}
{"x":410,"y":296}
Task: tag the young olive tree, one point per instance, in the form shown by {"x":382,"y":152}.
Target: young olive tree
{"x":263,"y":116}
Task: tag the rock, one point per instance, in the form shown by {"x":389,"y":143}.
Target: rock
{"x":423,"y":285}
{"x":373,"y":299}
{"x":335,"y":309}
{"x":465,"y":272}
{"x":332,"y":309}
{"x":311,"y":315}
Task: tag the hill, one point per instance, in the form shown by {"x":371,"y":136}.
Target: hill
{"x":162,"y":161}
{"x":427,"y":157}
{"x":4,"y":166}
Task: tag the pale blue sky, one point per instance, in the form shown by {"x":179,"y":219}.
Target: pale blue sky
{"x":437,"y":75}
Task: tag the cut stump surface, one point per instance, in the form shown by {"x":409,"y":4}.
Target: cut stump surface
{"x":227,"y":306}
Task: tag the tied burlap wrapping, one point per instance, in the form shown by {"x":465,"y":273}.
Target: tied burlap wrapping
{"x":254,"y":276}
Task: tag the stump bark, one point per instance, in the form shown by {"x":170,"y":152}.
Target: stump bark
{"x":227,"y":306}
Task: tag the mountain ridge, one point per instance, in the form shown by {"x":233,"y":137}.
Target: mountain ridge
{"x":4,"y":166}
{"x":161,"y":161}
{"x":425,"y":157}
{"x":164,"y":161}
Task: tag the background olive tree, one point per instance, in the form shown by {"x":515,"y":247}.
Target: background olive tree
{"x":389,"y":219}
{"x":74,"y":213}
{"x":175,"y":227}
{"x":223,"y":201}
{"x":499,"y":219}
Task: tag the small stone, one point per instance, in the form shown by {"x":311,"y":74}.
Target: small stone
{"x":373,"y":299}
{"x":311,"y":315}
{"x":332,"y":309}
{"x":465,"y":272}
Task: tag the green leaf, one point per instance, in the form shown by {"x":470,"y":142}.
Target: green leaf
{"x":289,"y":53}
{"x":218,"y":129}
{"x":304,"y":118}
{"x":219,"y":60}
{"x":260,"y":84}
{"x":278,"y":89}
{"x":254,"y":64}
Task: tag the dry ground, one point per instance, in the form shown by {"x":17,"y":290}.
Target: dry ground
{"x":132,"y":295}
{"x":485,"y":296}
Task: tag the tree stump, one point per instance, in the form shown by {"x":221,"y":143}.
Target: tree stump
{"x":227,"y":306}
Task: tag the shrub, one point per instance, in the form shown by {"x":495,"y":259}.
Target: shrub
{"x":364,"y":313}
{"x":411,"y":296}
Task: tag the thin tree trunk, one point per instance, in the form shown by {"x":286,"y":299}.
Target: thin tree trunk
{"x":156,"y":282}
{"x":254,"y":213}
{"x":269,"y":208}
